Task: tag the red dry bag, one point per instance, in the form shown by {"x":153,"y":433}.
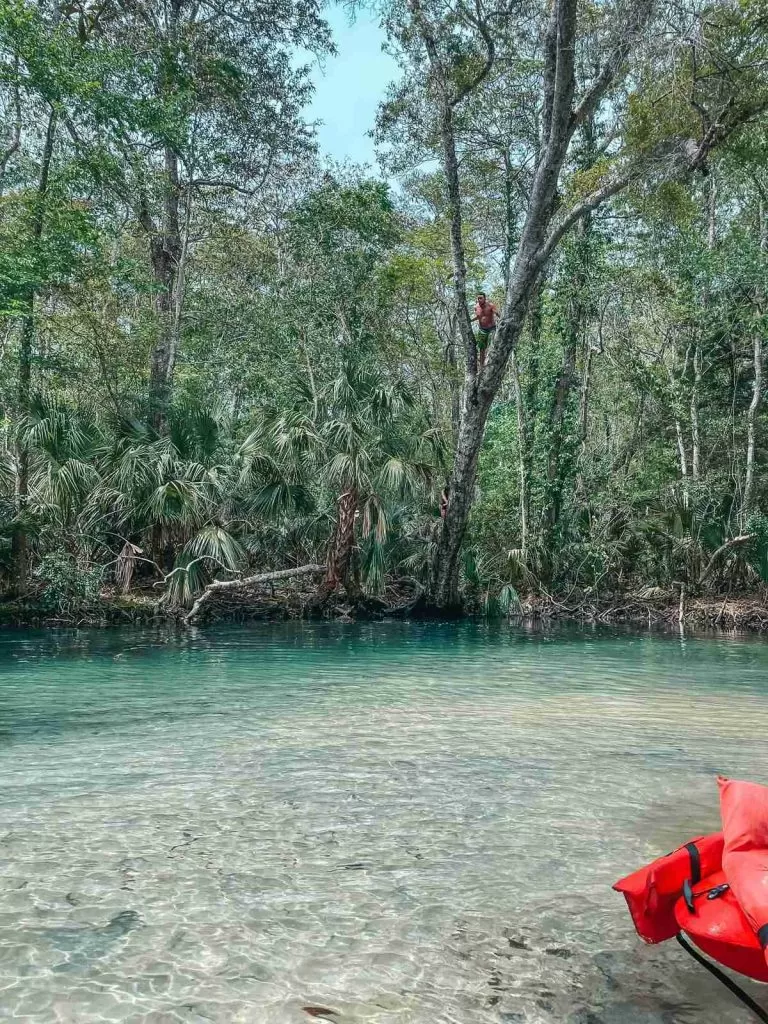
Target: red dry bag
{"x":651,"y":892}
{"x":744,"y":810}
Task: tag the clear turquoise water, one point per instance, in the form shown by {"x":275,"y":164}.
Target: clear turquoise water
{"x":405,"y":824}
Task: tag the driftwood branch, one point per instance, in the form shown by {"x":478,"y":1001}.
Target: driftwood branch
{"x":249,"y":581}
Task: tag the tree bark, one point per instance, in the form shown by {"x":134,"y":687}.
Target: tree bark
{"x":19,"y":540}
{"x":166,"y":246}
{"x":559,"y":89}
{"x":458,"y":256}
{"x":341,"y":547}
{"x":450,"y":97}
{"x":757,"y":385}
{"x":165,"y":256}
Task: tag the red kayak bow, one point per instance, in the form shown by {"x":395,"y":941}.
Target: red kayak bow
{"x":713,"y":891}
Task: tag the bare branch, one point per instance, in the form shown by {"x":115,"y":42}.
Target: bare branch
{"x":608,"y":74}
{"x":479,"y":22}
{"x":249,"y":581}
{"x":592,"y":201}
{"x":221,"y":183}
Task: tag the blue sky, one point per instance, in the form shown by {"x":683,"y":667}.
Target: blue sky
{"x":350,"y":86}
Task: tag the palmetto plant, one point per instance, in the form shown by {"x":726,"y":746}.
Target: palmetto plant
{"x":358,"y":445}
{"x":325,"y":477}
{"x":169,"y":499}
{"x":685,"y":536}
{"x":119,"y":494}
{"x":62,"y":448}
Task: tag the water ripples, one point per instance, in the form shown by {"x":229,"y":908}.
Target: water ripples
{"x":396,"y":823}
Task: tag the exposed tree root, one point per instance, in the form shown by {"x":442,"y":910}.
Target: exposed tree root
{"x":660,"y":608}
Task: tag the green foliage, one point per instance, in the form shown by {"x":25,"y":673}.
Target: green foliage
{"x":69,"y":589}
{"x":312,"y":312}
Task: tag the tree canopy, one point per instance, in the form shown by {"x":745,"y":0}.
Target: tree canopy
{"x":220,"y":354}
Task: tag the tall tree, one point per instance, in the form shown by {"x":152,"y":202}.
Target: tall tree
{"x":463,"y":39}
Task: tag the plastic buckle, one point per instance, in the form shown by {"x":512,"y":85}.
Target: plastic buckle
{"x":688,"y":896}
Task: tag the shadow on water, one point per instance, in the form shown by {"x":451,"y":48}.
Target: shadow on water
{"x":81,"y":946}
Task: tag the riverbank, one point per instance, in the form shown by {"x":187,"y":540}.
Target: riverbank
{"x":747,"y":612}
{"x":294,"y":599}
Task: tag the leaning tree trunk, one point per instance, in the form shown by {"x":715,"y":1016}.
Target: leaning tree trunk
{"x":445,"y":567}
{"x":559,"y":120}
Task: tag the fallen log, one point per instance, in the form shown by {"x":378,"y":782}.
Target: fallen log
{"x":250,"y":581}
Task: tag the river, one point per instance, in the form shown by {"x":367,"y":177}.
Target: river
{"x":401,"y":823}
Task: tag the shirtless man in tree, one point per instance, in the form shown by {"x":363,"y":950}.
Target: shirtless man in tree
{"x":485,"y":314}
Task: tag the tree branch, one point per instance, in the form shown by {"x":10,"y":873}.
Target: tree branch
{"x":481,"y":25}
{"x":743,"y":538}
{"x":249,"y":581}
{"x":581,"y":209}
{"x":641,"y":14}
{"x":214,"y":183}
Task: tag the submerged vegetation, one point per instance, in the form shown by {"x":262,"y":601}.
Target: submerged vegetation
{"x":221,"y":358}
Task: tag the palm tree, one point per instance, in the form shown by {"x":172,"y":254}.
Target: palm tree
{"x":360,"y":444}
{"x":166,"y":498}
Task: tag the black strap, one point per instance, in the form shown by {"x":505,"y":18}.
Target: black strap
{"x":731,"y":985}
{"x":762,"y":935}
{"x":693,"y":853}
